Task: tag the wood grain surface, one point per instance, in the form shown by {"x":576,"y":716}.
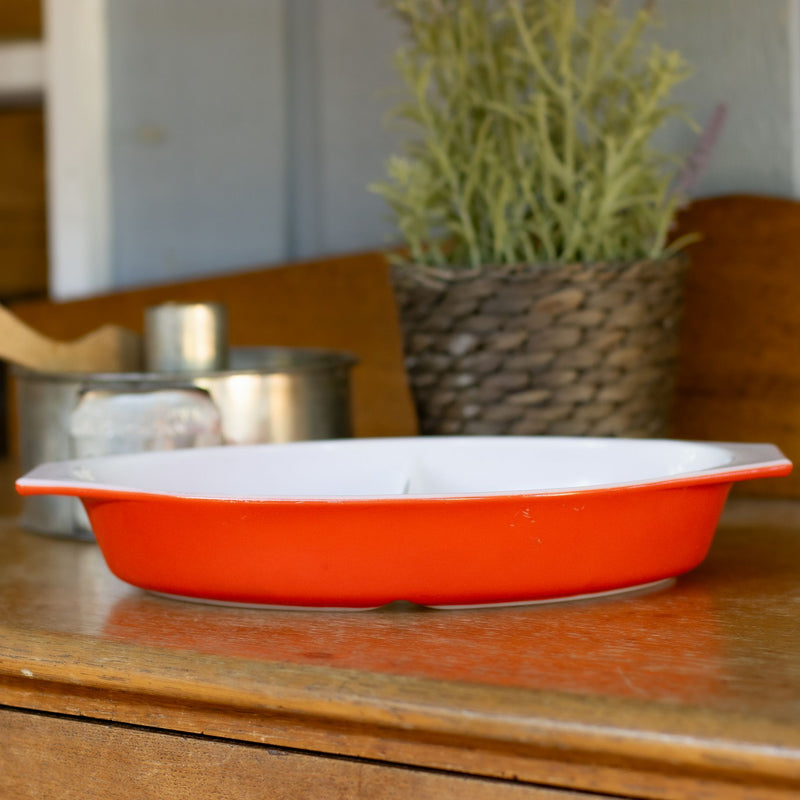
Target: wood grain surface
{"x":739,"y":377}
{"x":87,"y":761}
{"x":20,"y":19}
{"x":693,"y":691}
{"x":342,"y":303}
{"x":23,"y":239}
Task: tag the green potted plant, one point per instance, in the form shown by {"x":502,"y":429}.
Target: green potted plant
{"x":538,"y":287}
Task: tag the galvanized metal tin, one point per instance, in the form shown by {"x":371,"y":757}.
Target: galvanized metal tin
{"x":266,"y":395}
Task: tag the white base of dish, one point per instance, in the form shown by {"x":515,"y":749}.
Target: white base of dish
{"x":641,"y":588}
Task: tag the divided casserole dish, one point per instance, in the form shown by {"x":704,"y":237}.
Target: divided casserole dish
{"x":441,"y":521}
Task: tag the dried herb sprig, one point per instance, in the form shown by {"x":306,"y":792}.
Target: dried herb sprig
{"x":533,"y":127}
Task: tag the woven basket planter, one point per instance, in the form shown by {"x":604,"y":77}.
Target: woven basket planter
{"x":583,"y":349}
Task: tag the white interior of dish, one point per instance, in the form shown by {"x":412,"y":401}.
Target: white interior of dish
{"x":430,"y":466}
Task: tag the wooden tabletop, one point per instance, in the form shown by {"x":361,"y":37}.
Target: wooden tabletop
{"x":687,"y":691}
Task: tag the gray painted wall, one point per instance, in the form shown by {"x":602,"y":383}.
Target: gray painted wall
{"x":197,"y":136}
{"x":246,"y":132}
{"x":742,"y":56}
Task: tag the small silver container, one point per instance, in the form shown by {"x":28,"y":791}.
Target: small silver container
{"x":266,"y":395}
{"x":186,"y":337}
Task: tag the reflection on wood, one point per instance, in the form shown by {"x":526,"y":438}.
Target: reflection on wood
{"x":674,"y":645}
{"x":689,"y":691}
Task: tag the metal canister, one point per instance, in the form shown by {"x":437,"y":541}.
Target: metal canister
{"x":266,"y":394}
{"x":108,"y":422}
{"x":186,"y":337}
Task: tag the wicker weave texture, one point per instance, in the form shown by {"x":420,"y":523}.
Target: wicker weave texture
{"x":583,"y":349}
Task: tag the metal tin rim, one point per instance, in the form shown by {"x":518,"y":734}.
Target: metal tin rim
{"x":313,"y":360}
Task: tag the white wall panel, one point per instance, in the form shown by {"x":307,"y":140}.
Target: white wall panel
{"x":79,"y":236}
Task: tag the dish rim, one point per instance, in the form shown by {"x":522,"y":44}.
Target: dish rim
{"x":746,"y":461}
